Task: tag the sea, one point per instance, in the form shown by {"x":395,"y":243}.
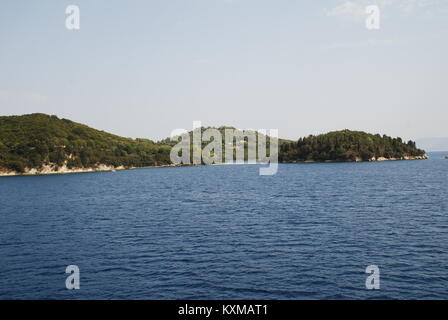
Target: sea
{"x":311,"y":231}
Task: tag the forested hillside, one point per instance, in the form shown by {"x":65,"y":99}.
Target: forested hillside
{"x":35,"y":140}
{"x":346,"y":145}
{"x":31,"y":141}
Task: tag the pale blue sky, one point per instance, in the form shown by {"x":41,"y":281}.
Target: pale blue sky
{"x":144,"y":68}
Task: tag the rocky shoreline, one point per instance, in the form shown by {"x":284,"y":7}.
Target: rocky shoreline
{"x":54,"y":169}
{"x":423,"y":157}
{"x":373,"y":159}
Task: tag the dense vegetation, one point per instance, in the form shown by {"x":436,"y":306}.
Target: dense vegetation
{"x":34,"y":140}
{"x":31,"y":141}
{"x":240,"y":142}
{"x":347,"y":145}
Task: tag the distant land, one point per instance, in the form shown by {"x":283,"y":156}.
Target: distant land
{"x":433,"y":144}
{"x":44,"y":144}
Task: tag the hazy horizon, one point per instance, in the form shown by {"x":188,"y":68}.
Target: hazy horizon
{"x":144,"y":69}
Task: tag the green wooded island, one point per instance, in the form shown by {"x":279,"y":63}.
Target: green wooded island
{"x":43,"y":144}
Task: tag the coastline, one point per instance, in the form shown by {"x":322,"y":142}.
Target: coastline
{"x":53,"y":169}
{"x":379,"y":159}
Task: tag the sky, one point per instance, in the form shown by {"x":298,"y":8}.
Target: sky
{"x":144,"y":68}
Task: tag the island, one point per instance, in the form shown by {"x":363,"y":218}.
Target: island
{"x":346,"y":145}
{"x":45,"y":144}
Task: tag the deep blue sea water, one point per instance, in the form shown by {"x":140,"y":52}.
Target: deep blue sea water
{"x":224,"y":232}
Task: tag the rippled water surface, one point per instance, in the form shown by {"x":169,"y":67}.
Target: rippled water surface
{"x":224,"y":232}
